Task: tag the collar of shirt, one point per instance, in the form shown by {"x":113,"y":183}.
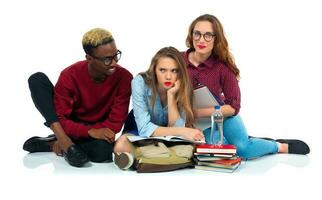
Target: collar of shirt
{"x":209,"y":63}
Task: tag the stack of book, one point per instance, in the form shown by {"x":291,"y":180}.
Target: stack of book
{"x":214,"y":157}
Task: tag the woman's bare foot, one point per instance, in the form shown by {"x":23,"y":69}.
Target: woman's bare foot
{"x":283,"y":148}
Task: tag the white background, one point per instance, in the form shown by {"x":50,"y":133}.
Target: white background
{"x":276,"y":45}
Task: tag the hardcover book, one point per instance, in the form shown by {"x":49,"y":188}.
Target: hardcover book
{"x":226,"y":161}
{"x":217,"y":169}
{"x":216,"y":148}
{"x":213,"y":164}
{"x":212,"y":158}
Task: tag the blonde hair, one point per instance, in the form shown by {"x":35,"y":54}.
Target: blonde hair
{"x":94,"y":38}
{"x":184,"y":96}
{"x":221,"y":49}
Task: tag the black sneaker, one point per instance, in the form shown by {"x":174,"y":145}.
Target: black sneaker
{"x":39,"y":144}
{"x":75,"y":156}
{"x":124,"y":160}
{"x":295,"y":146}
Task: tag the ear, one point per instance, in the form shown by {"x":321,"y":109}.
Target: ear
{"x":88,"y":58}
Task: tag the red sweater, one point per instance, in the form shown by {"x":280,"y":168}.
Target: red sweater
{"x":82,"y":104}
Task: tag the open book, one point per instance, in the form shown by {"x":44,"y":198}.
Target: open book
{"x":203,"y":99}
{"x":171,"y":138}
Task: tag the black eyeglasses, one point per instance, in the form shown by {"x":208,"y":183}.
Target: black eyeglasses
{"x":208,"y":36}
{"x":109,"y":59}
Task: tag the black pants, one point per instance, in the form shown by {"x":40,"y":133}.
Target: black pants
{"x":42,"y":91}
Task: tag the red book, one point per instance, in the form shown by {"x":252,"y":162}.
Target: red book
{"x":228,"y":161}
{"x":216,"y":148}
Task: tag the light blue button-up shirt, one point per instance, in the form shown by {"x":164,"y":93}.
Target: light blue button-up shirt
{"x":146,"y":120}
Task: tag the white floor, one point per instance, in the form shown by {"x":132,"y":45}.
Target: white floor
{"x":40,"y":175}
{"x":269,"y":164}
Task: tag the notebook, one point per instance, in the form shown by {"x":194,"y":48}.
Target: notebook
{"x":203,"y":99}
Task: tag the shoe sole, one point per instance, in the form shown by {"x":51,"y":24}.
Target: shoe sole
{"x":123,"y":160}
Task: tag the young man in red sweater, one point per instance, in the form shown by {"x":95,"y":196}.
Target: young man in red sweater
{"x":87,"y":106}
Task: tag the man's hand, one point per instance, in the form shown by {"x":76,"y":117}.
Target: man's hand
{"x":57,"y":149}
{"x":103,"y":134}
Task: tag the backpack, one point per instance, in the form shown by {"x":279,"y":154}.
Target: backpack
{"x":160,"y":156}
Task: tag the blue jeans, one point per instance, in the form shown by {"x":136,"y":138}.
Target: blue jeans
{"x":235,"y":133}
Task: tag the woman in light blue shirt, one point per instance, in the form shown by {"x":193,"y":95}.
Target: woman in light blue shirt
{"x":162,"y":102}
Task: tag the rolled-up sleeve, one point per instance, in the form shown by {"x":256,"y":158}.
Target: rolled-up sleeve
{"x":140,"y":107}
{"x":231,"y":90}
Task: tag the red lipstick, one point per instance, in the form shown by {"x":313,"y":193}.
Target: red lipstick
{"x":201,"y":46}
{"x":168,"y":84}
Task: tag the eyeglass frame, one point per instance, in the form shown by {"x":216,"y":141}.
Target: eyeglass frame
{"x":205,"y":35}
{"x":109,"y":59}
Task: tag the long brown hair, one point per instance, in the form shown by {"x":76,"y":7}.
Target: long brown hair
{"x":184,"y":95}
{"x":221,"y":48}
